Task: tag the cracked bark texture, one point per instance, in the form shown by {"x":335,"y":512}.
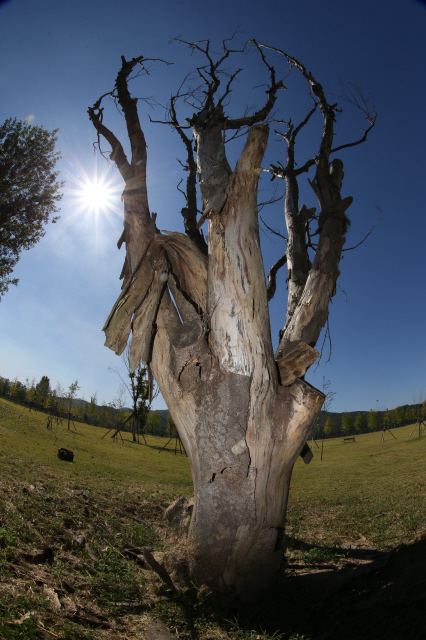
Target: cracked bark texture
{"x":201,"y":322}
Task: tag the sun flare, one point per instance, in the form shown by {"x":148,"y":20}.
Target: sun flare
{"x":94,"y":195}
{"x":93,"y":198}
{"x":97,"y":195}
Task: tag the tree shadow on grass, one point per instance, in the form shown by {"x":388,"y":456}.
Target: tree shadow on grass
{"x":384,"y":599}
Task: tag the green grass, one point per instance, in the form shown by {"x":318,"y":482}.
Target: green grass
{"x":370,"y":492}
{"x":25,"y":439}
{"x":70,"y":534}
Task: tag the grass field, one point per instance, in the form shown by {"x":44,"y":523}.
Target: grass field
{"x":370,"y":492}
{"x":71,"y":533}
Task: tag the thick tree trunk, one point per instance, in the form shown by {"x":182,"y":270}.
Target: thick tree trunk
{"x":241,"y":449}
{"x":241,"y":429}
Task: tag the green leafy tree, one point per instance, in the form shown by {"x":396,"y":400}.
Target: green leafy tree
{"x":28,"y":191}
{"x":60,"y":398}
{"x":18,"y":391}
{"x":4,"y":387}
{"x":117,"y":403}
{"x":388,"y":418}
{"x":346,"y":424}
{"x":70,"y":396}
{"x":153,"y":422}
{"x":92,"y":410}
{"x":51,"y":402}
{"x":171,"y":428}
{"x":106,"y":416}
{"x":14,"y":388}
{"x":77,"y":412}
{"x":31,"y":395}
{"x":373,"y":420}
{"x":400,"y":415}
{"x":140,"y":398}
{"x":360,"y":422}
{"x":42,"y":389}
{"x":329,"y":426}
{"x":410,"y":414}
{"x":424,"y":410}
{"x":140,"y":392}
{"x":329,"y":397}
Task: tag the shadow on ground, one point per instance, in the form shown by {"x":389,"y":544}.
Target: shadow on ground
{"x":381,"y":599}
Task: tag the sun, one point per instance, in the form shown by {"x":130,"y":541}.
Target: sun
{"x":94,"y":198}
{"x":97,"y":195}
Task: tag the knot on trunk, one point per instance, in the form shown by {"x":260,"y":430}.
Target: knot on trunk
{"x":189,"y":345}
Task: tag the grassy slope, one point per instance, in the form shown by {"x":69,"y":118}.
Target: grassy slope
{"x":26,"y":439}
{"x":66,"y":530}
{"x":370,"y":489}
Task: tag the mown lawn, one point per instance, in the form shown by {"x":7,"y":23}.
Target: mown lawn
{"x":370,"y":492}
{"x":71,"y":536}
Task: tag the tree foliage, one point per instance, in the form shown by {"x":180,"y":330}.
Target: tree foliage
{"x":29,"y":191}
{"x":139,"y":387}
{"x":329,"y":425}
{"x":153,"y":422}
{"x":346,"y":423}
{"x":373,"y":420}
{"x":360,"y":422}
{"x":171,"y":427}
{"x":42,"y":390}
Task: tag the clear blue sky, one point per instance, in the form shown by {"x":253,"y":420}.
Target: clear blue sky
{"x":57,"y":58}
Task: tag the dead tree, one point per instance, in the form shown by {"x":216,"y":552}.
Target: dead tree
{"x":198,"y":310}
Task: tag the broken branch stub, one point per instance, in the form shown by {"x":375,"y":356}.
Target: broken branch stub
{"x":188,"y":343}
{"x":296,"y":361}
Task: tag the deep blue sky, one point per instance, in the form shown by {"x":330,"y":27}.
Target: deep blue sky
{"x":58,"y":58}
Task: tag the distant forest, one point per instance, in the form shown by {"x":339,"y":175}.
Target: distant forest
{"x":332,"y":425}
{"x":63,"y":403}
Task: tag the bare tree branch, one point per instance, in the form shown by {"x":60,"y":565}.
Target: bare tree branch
{"x":326,"y":334}
{"x":364,"y":239}
{"x":213,"y":71}
{"x":277,"y":233}
{"x":271,"y":93}
{"x":189,"y":212}
{"x":356,"y":97}
{"x":272,"y":276}
{"x":117,"y":153}
{"x":306,"y":282}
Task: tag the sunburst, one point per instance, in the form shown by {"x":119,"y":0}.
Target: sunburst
{"x":94,"y":195}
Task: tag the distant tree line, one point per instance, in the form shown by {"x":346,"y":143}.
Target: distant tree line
{"x":347,"y":424}
{"x":63,"y":404}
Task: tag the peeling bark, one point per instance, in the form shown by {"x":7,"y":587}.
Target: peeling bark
{"x":236,"y":282}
